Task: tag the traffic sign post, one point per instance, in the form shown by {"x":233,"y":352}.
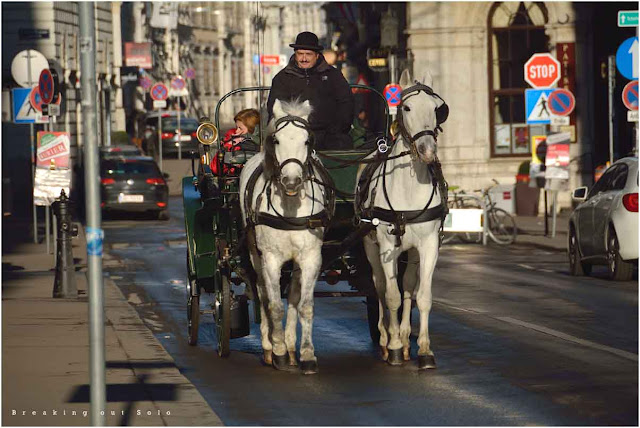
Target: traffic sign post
{"x":627,"y":58}
{"x":630,"y":95}
{"x":537,"y":106}
{"x":542,"y":70}
{"x":393,"y":94}
{"x":159,"y":93}
{"x":561,"y":102}
{"x":627,"y":18}
{"x":179,"y":89}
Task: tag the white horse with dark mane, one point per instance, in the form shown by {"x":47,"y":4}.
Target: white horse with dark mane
{"x":285,"y":213}
{"x":403,"y":192}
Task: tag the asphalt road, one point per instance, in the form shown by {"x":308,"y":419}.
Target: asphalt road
{"x":517,"y":341}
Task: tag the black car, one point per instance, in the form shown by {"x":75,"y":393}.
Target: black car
{"x":170,"y":145}
{"x":133,"y":184}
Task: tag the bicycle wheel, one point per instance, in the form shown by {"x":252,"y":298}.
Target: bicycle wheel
{"x":502,"y":226}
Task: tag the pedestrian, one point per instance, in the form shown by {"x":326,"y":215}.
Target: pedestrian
{"x":308,"y":76}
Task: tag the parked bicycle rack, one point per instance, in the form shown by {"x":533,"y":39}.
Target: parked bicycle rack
{"x":481,"y":203}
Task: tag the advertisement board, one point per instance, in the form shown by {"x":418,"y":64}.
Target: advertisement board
{"x":137,"y":55}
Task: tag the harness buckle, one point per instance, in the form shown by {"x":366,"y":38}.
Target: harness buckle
{"x":314,"y":223}
{"x":383,"y":147}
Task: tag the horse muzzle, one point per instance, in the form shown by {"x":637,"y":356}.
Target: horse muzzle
{"x":426,"y":154}
{"x":291,"y":186}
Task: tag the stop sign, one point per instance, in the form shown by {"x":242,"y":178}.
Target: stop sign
{"x":542,"y":70}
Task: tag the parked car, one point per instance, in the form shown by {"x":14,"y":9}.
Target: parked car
{"x":603,"y":229}
{"x":133,"y":184}
{"x":170,"y":144}
{"x":120,"y":150}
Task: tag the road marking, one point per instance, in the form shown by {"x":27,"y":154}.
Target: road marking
{"x":567,"y":337}
{"x":619,"y":352}
{"x":527,"y":266}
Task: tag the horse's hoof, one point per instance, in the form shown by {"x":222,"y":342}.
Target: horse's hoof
{"x":406,"y":354}
{"x":384,"y":353}
{"x":426,"y":362}
{"x":267,"y":359}
{"x":395,"y":357}
{"x":292,"y":359}
{"x":281,"y":362}
{"x":309,"y":367}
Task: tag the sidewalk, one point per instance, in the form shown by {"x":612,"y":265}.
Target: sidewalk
{"x":45,"y":349}
{"x":531,"y":231}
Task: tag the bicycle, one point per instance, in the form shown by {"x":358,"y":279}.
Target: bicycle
{"x":501,"y":226}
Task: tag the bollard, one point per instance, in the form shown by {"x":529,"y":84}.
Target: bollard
{"x":64,"y":285}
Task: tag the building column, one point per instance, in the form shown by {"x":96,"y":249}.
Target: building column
{"x":119,"y":116}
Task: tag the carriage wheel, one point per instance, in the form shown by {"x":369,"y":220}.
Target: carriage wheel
{"x":222,"y":313}
{"x":193,"y":306}
{"x":193,"y":317}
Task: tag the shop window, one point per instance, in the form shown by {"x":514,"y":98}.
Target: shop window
{"x":516,"y":31}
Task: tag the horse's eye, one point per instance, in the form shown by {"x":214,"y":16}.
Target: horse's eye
{"x":406,"y":108}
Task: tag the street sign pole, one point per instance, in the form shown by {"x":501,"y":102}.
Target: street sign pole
{"x":612,"y":82}
{"x":179,"y":129}
{"x":160,"y":139}
{"x":94,"y":233}
{"x":392,"y":75}
{"x":34,"y":150}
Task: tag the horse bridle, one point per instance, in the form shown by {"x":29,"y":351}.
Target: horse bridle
{"x":300,"y":123}
{"x":442,"y":113}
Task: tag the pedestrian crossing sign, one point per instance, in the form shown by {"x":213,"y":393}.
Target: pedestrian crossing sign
{"x":536,"y":107}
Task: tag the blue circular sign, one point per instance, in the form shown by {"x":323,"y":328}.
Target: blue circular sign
{"x":627,"y":58}
{"x":561,"y":102}
{"x":392,"y":92}
{"x":630,"y":95}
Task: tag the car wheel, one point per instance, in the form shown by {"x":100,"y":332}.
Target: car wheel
{"x":619,"y":270}
{"x":576,"y":266}
{"x":163,"y":215}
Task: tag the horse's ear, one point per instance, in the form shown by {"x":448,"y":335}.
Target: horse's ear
{"x":307,"y":108}
{"x":427,"y":79}
{"x":277,"y":109}
{"x":405,"y":79}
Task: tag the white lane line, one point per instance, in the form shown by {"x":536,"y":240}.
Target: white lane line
{"x":526,"y":266}
{"x":619,"y":352}
{"x":567,"y":337}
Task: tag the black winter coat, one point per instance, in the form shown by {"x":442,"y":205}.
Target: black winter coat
{"x":330,"y":97}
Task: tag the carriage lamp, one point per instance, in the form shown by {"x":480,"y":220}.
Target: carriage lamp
{"x":207,"y":133}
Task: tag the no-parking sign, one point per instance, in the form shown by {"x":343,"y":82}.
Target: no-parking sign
{"x":393,"y":94}
{"x":561,"y":102}
{"x":630,"y":95}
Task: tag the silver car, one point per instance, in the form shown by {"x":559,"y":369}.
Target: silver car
{"x":603,"y":229}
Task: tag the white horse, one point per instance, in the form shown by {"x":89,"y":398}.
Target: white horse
{"x":285,"y":207}
{"x":406,"y":183}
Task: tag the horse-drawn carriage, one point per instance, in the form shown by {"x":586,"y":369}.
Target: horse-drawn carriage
{"x":230,"y":219}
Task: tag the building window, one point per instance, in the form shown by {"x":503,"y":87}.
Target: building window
{"x":516,"y":31}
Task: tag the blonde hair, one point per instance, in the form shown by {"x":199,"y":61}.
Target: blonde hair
{"x":250,"y":117}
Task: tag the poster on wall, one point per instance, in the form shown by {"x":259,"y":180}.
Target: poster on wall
{"x":54,"y":149}
{"x":520,"y":138}
{"x":503,"y":139}
{"x":53,"y":167}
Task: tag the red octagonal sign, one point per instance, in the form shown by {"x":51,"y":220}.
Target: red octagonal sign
{"x":542,"y":70}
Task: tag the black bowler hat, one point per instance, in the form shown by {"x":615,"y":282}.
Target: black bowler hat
{"x":307,"y":40}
